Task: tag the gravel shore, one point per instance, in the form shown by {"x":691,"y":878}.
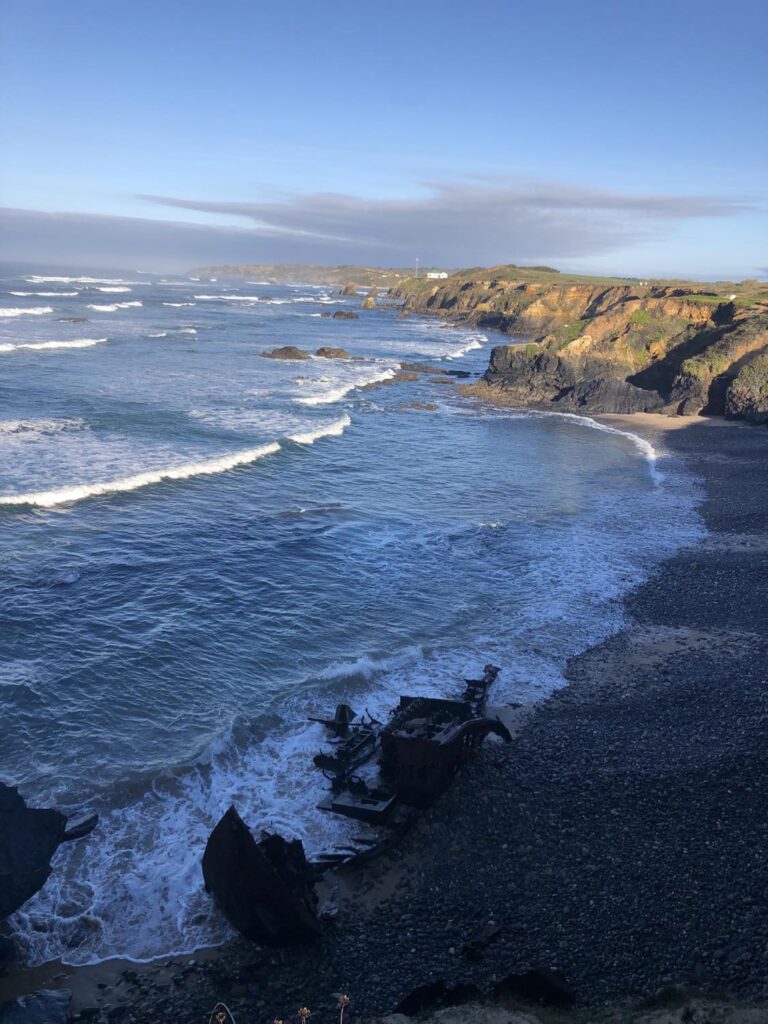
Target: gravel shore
{"x":622,"y":838}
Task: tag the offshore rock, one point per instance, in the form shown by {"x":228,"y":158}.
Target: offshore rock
{"x":266,"y":889}
{"x":368,"y":303}
{"x":29,"y":837}
{"x":328,"y":352}
{"x":343,"y":314}
{"x":286,"y":352}
{"x":349,"y":289}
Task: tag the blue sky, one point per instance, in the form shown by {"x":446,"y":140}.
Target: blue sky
{"x":596,"y":136}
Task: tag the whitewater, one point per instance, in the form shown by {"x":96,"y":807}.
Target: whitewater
{"x":204,"y":548}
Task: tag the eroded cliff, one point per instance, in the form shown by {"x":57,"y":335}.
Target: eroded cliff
{"x":613,"y":345}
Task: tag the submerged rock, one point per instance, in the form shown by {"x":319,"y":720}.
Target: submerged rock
{"x":343,"y":314}
{"x":286,"y":352}
{"x":29,"y":837}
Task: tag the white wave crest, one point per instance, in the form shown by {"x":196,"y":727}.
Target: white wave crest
{"x":228,"y":298}
{"x":42,"y":345}
{"x":61,"y":495}
{"x":114,"y":306}
{"x":38,"y":279}
{"x":113,"y":288}
{"x":334,"y":429}
{"x":31,"y":311}
{"x":342,"y":390}
{"x":158,"y":334}
{"x":46,"y":295}
{"x":178,"y":305}
{"x":473,"y":342}
{"x":27,"y":429}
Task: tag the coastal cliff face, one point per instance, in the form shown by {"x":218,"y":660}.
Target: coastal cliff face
{"x":607,"y":345}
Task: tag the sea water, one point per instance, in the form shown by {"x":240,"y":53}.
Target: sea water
{"x":202,"y":548}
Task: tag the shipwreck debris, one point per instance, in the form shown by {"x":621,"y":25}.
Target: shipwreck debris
{"x":381,"y":774}
{"x":265,"y":889}
{"x":420,"y":749}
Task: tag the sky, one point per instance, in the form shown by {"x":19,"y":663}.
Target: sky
{"x":600,"y":137}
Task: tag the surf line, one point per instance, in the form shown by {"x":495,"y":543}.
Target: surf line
{"x":205,"y":467}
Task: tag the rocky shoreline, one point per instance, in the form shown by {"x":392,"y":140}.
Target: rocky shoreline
{"x":621,"y":839}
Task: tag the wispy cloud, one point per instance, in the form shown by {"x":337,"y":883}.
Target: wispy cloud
{"x":480,"y":221}
{"x":484,"y":220}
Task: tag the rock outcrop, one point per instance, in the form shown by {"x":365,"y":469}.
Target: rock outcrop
{"x":344,"y":314}
{"x":286,"y":352}
{"x":613,"y":346}
{"x":29,"y":837}
{"x":328,"y":352}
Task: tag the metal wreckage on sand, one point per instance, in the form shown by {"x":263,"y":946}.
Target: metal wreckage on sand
{"x":382,"y":774}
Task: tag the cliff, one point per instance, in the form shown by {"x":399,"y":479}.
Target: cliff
{"x":612,"y":344}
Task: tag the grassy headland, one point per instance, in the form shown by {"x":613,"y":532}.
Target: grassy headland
{"x":612,"y":344}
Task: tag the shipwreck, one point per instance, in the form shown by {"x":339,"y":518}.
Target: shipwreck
{"x":382,"y":774}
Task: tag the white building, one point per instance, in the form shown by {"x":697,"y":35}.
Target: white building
{"x":437,"y":274}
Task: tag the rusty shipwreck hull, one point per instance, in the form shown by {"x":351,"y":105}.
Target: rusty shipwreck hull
{"x":265,"y":889}
{"x":380,"y":774}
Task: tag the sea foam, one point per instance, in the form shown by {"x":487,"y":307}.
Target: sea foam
{"x":76,"y":492}
{"x":114,"y":306}
{"x":335,"y":394}
{"x":334,"y":429}
{"x":43,"y":345}
{"x":30,"y":311}
{"x":46,"y":295}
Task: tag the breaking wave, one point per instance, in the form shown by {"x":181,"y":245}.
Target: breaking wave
{"x":77,"y":492}
{"x":473,"y":342}
{"x":30,"y":311}
{"x":42,"y":345}
{"x":46,"y":295}
{"x":38,"y":279}
{"x":335,"y":394}
{"x":228,"y":298}
{"x":334,"y":429}
{"x":114,"y":306}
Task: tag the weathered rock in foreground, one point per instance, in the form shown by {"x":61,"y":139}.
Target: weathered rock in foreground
{"x":265,"y":889}
{"x":286,"y":352}
{"x":29,"y":837}
{"x":44,"y":1007}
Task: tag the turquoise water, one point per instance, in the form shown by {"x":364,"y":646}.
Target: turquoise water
{"x":202,"y":547}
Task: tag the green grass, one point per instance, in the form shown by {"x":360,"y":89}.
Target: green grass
{"x":641,"y":317}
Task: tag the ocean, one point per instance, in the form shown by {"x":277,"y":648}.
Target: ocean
{"x":202,"y":548}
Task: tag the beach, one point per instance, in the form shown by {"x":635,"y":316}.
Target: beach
{"x":620,"y":838}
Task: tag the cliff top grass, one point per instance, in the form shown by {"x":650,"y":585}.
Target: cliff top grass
{"x":747,"y":293}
